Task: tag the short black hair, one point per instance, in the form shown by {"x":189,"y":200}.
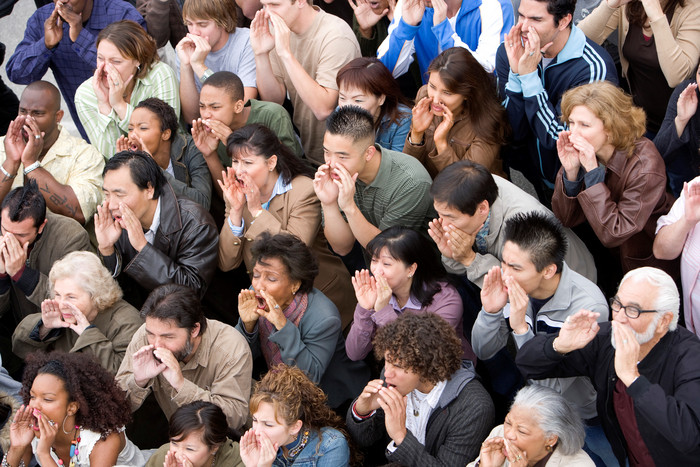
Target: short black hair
{"x":144,"y":170}
{"x":178,"y":303}
{"x":560,"y":8}
{"x":540,"y":235}
{"x":229,"y":82}
{"x":351,"y":121}
{"x":25,"y":202}
{"x":300,"y":262}
{"x":463,"y":185}
{"x":164,"y":112}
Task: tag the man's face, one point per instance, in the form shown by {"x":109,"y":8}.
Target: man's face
{"x":533,"y":14}
{"x":339,"y":150}
{"x":119,"y":188}
{"x":24,"y":231}
{"x":450,"y":215}
{"x":42,"y":107}
{"x":217,"y":104}
{"x":516,"y":263}
{"x":165,"y":334}
{"x":77,"y":6}
{"x":404,"y":380}
{"x":642,"y":295}
{"x":285,"y":9}
{"x":215,"y":35}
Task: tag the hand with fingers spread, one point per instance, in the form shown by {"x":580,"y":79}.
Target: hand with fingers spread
{"x":51,"y":316}
{"x":586,"y":152}
{"x":626,"y":353}
{"x":250,"y":451}
{"x":365,"y":287}
{"x":568,"y":156}
{"x":35,"y":142}
{"x":394,"y":406}
{"x":21,"y":431}
{"x":439,"y":11}
{"x":437,"y":233}
{"x":443,"y":129}
{"x":366,"y":16}
{"x":368,"y":400}
{"x":48,"y":429}
{"x":184,"y":50}
{"x":518,"y":300}
{"x":460,"y":243}
{"x":272,"y":311}
{"x":252,"y":193}
{"x":146,"y":366}
{"x":412,"y":11}
{"x":383,"y":293}
{"x":53,"y":28}
{"x":326,"y":190}
{"x":234,"y":195}
{"x":203,"y":138}
{"x":123,"y":144}
{"x":532,"y":53}
{"x":578,"y":330}
{"x":107,"y":230}
{"x":268,"y":450}
{"x":686,"y":107}
{"x":248,"y":309}
{"x":346,"y":188}
{"x":81,"y":322}
{"x":494,"y":294}
{"x":14,"y":254}
{"x":513,"y":44}
{"x":74,"y":20}
{"x":220,"y":130}
{"x":101,"y":89}
{"x":172,"y":371}
{"x":691,"y":195}
{"x":117,"y":89}
{"x":492,"y":452}
{"x":199,"y":54}
{"x":261,"y":39}
{"x":133,"y":227}
{"x":281,"y":35}
{"x":421,"y":119}
{"x":14,"y":144}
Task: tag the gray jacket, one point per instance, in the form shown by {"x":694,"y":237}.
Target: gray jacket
{"x":192,"y":178}
{"x":575,"y":292}
{"x":511,"y":201}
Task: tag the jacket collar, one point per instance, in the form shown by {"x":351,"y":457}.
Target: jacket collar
{"x":573,"y":47}
{"x":170,"y":217}
{"x":456,"y":383}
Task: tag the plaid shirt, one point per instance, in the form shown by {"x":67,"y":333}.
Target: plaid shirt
{"x":71,"y":62}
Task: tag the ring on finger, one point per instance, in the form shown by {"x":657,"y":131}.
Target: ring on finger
{"x":531,"y":54}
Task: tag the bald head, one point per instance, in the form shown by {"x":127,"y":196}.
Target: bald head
{"x":42,"y":102}
{"x":50,"y":94}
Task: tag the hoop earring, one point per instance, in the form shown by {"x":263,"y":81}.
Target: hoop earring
{"x":63,"y":425}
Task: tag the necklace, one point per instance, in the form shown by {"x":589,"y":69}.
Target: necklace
{"x":73,"y":462}
{"x":416,"y":413}
{"x":292,"y":453}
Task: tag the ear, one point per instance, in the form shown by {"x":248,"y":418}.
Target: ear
{"x":295,"y":286}
{"x":665,"y":322}
{"x":59,"y":116}
{"x":238,"y":106}
{"x":165,"y":136}
{"x":382,"y":98}
{"x":483,"y":208}
{"x":195,"y":331}
{"x":564,"y":22}
{"x":41,"y":227}
{"x":549,"y":271}
{"x":295,"y":428}
{"x":412,"y":269}
{"x":551,"y":441}
{"x":73,"y":408}
{"x":370,"y":151}
{"x":150,"y":191}
{"x":272,"y":162}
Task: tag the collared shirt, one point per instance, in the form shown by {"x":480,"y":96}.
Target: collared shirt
{"x":74,"y":162}
{"x":411,"y":304}
{"x":71,"y":62}
{"x":280,"y":188}
{"x":423,"y":405}
{"x":151,"y":232}
{"x":104,"y":130}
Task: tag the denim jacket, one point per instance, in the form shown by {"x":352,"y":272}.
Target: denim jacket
{"x":331,"y":450}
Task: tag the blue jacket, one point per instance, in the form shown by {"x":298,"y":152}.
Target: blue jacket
{"x":429,"y":41}
{"x":533,"y":101}
{"x":330,"y":450}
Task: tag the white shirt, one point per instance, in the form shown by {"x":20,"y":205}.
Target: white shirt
{"x":151,"y":232}
{"x":423,"y":405}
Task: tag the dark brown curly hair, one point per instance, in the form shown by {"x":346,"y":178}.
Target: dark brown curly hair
{"x":295,"y":397}
{"x":103,"y":405}
{"x":423,"y":343}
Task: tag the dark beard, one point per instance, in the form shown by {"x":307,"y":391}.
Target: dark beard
{"x":185,"y":352}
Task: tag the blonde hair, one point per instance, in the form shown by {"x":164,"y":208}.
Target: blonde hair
{"x":86,"y":269}
{"x":623,"y":121}
{"x":221,"y":12}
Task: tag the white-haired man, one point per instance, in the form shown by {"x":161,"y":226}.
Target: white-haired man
{"x":644,"y":367}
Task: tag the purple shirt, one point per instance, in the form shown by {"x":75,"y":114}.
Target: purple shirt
{"x":446,"y":303}
{"x":71,"y":62}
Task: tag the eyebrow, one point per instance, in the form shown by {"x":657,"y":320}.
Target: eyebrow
{"x":336,"y":152}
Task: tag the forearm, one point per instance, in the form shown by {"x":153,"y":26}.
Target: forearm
{"x":321,"y":100}
{"x":677,"y":51}
{"x":5,"y":181}
{"x":361,"y":229}
{"x":670,"y":240}
{"x":189,"y":97}
{"x":337,"y":231}
{"x":269,"y":87}
{"x":60,"y":199}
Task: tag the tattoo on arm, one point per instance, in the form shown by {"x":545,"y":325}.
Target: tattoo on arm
{"x":58,"y":200}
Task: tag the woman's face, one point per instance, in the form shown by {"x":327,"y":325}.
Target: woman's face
{"x":442,"y":97}
{"x":194,"y":449}
{"x":146,"y":125}
{"x":396,"y":272}
{"x":586,"y":124}
{"x":108,"y":53}
{"x":260,"y":170}
{"x":521,"y":429}
{"x":67,"y":290}
{"x":48,"y":396}
{"x":278,"y":431}
{"x":350,"y":95}
{"x":271,"y":275}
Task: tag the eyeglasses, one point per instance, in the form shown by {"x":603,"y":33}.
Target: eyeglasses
{"x":631,"y":311}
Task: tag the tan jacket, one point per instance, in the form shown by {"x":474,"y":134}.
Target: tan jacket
{"x":220,"y":371}
{"x":107,"y":341}
{"x":298,"y":212}
{"x":678,"y":43}
{"x":463,"y":143}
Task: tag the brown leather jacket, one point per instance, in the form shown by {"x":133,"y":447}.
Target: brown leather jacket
{"x":623,"y":210}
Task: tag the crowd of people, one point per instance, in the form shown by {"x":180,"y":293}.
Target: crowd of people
{"x":306,"y":237}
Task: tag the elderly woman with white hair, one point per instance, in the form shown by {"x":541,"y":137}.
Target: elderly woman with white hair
{"x":86,"y":313}
{"x":542,"y":428}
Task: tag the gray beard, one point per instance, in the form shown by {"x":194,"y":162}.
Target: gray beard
{"x":185,"y":351}
{"x":644,"y":337}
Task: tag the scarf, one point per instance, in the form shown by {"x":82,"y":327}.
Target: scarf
{"x":294,"y":312}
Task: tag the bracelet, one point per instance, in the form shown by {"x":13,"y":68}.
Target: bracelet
{"x":33,"y":166}
{"x":422,"y":143}
{"x":555,"y":347}
{"x":6,"y":173}
{"x":7,"y":464}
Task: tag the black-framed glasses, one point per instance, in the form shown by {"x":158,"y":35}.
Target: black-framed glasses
{"x":631,"y":311}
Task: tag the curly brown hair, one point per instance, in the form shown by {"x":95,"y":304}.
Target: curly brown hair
{"x":103,"y":405}
{"x":423,"y":343}
{"x":295,"y":397}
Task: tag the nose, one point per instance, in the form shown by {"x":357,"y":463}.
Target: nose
{"x":205,"y":113}
{"x":508,"y":433}
{"x":620,"y":317}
